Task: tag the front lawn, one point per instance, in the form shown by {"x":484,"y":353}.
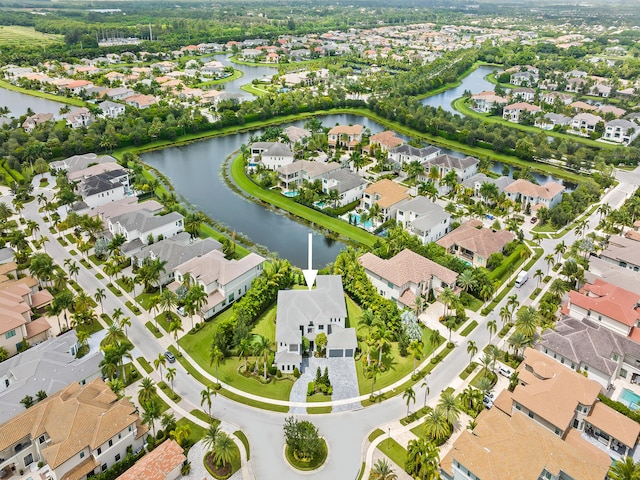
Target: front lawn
{"x":394,"y":451}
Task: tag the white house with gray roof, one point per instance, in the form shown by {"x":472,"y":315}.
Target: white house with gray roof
{"x":175,"y":251}
{"x":294,"y":174}
{"x":111,"y":109}
{"x":476,"y":181}
{"x":407,"y":154}
{"x":272,"y":155}
{"x":621,"y":131}
{"x":349,"y":185}
{"x":307,"y":313}
{"x":141,"y":226}
{"x":622,"y":251}
{"x":463,"y":167}
{"x":585,"y":345}
{"x":422,"y":217}
{"x":80,"y":162}
{"x":48,"y":366}
{"x":224,"y":281}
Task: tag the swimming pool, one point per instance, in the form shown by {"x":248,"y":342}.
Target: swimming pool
{"x":630,"y":399}
{"x":290,"y":194}
{"x":366,"y":224}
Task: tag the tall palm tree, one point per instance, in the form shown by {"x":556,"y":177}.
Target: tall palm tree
{"x":527,"y":321}
{"x":450,"y":406}
{"x":244,"y":350}
{"x":492,"y":327}
{"x":505,"y":315}
{"x":382,"y":471}
{"x":409,"y":396}
{"x":99,"y":296}
{"x":146,"y":392}
{"x":175,"y":327}
{"x":465,"y":280}
{"x":425,"y":385}
{"x":206,"y":396}
{"x":560,"y":250}
{"x":124,"y":323}
{"x":114,"y":336}
{"x":448,"y":298}
{"x":150,"y":415}
{"x":550,"y":260}
{"x":472,"y":349}
{"x":539,"y":274}
{"x":422,"y":459}
{"x":171,"y":376}
{"x":209,"y":438}
{"x":160,"y":362}
{"x":518,"y":341}
{"x":216,"y":356}
{"x":416,"y":349}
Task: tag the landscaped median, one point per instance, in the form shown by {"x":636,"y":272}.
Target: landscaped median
{"x":278,"y":200}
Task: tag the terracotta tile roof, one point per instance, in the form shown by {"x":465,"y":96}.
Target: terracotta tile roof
{"x":551,"y":390}
{"x":346,"y":129}
{"x":522,"y":106}
{"x":482,"y":241}
{"x":607,"y":299}
{"x":37,"y":327}
{"x":386,"y":193}
{"x":615,"y":424}
{"x":82,"y":469}
{"x":76,"y":417}
{"x":579,"y":105}
{"x":386,"y":138}
{"x":407,"y":267}
{"x":525,"y":187}
{"x":503,"y":447}
{"x":157,"y":464}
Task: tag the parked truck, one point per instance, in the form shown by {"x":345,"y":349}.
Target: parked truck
{"x":522,"y":278}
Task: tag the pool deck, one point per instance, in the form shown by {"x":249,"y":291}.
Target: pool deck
{"x":619,"y":385}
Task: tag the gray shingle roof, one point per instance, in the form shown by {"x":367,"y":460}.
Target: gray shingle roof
{"x":145,"y":221}
{"x":101,"y":182}
{"x":346,"y":178}
{"x":449,"y":161}
{"x":178,"y":249}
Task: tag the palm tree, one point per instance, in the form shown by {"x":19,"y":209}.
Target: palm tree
{"x":262,"y":347}
{"x":171,"y":376}
{"x":450,"y":405}
{"x":114,"y":336}
{"x":146,"y":392}
{"x":168,"y":300}
{"x":244,"y":350}
{"x":505,"y":315}
{"x":206,"y":396}
{"x":209,"y":438}
{"x":223,"y":449}
{"x":124,"y":323}
{"x":425,"y":385}
{"x":422,"y":459}
{"x":527,"y":321}
{"x":518,"y":341}
{"x":160,"y":362}
{"x":181,"y":434}
{"x":513,"y":303}
{"x":560,"y":250}
{"x":436,"y":425}
{"x":99,"y":296}
{"x":492,"y":327}
{"x":448,"y":298}
{"x":472,"y":349}
{"x":539,"y":274}
{"x":175,"y":327}
{"x":409,"y":396}
{"x":216,"y":356}
{"x":624,"y":469}
{"x":198,"y":299}
{"x":416,"y":349}
{"x":465,"y":280}
{"x":382,"y":471}
{"x":150,"y":415}
{"x":550,"y":260}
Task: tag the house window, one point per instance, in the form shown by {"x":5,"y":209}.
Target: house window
{"x":104,"y":467}
{"x":10,"y":333}
{"x":117,"y":457}
{"x":81,"y":454}
{"x":28,"y":460}
{"x":239,"y":291}
{"x":41,"y":439}
{"x":586,"y":368}
{"x":99,"y":450}
{"x":111,"y":443}
{"x":231,"y":297}
{"x":531,"y":414}
{"x":615,"y":357}
{"x":623,"y":373}
{"x":557,"y":431}
{"x":320,"y":327}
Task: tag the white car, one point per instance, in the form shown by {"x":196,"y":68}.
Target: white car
{"x":181,"y":311}
{"x":504,"y":371}
{"x":487,"y":402}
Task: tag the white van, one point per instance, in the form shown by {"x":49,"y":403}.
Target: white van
{"x":522,"y":278}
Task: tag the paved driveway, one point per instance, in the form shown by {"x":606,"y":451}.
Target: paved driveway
{"x":343,"y":378}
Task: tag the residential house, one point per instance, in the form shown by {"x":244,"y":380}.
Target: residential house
{"x":294,"y":174}
{"x":612,"y":273}
{"x":473,"y":243}
{"x":582,"y":106}
{"x":48,"y":366}
{"x":80,"y":162}
{"x":296,"y":134}
{"x":623,"y":252}
{"x":552,"y":97}
{"x":621,"y":131}
{"x":524,"y":79}
{"x":272,"y":155}
{"x":615,"y":111}
{"x":523,"y":94}
{"x":119,"y":93}
{"x":126,"y":205}
{"x":523,"y":191}
{"x":386,"y":194}
{"x":406,"y":276}
{"x":589,"y":347}
{"x":406,"y":153}
{"x":19,"y":297}
{"x":600,"y":90}
{"x":487,"y":101}
{"x":346,"y":136}
{"x":611,"y":306}
{"x":514,"y":111}
{"x":476,"y":181}
{"x":224,"y":281}
{"x":385,"y":141}
{"x":175,"y":251}
{"x":576,"y":85}
{"x":422,"y":217}
{"x":585,"y":123}
{"x":349,"y":185}
{"x":33,"y":121}
{"x":162,"y":463}
{"x":142,"y":228}
{"x":513,"y":446}
{"x":566,"y":404}
{"x":78,"y":86}
{"x":308,"y":313}
{"x":140,"y":101}
{"x":464,"y":168}
{"x":550,"y":120}
{"x":79,"y":117}
{"x":75,"y":433}
{"x":111,"y":109}
{"x":99,"y":188}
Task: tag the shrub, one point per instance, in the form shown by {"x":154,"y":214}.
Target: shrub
{"x":296,"y":372}
{"x":278,"y":373}
{"x":159,"y":434}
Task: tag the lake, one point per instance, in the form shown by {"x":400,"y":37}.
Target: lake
{"x":18,"y":103}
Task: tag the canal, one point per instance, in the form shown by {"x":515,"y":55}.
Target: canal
{"x":474,"y":82}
